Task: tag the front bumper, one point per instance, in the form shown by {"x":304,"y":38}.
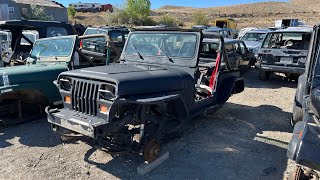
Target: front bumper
{"x":74,"y":121}
{"x":304,"y":147}
{"x":282,"y":69}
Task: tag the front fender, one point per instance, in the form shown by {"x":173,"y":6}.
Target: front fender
{"x":45,"y":88}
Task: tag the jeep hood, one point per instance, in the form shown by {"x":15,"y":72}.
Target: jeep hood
{"x":31,"y":73}
{"x":136,"y":79}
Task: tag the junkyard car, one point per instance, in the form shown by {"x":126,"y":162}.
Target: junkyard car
{"x":225,"y":32}
{"x":22,"y":30}
{"x":161,"y":83}
{"x":27,"y":89}
{"x":304,"y":147}
{"x":284,"y":51}
{"x":238,"y":54}
{"x":95,"y":47}
{"x":253,"y":40}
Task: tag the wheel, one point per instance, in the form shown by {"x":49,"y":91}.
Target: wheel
{"x":151,"y":150}
{"x":264,"y":75}
{"x":298,"y":174}
{"x":297,"y":114}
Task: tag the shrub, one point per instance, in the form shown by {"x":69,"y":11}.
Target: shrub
{"x":168,"y":20}
{"x":200,"y":18}
{"x":71,"y":12}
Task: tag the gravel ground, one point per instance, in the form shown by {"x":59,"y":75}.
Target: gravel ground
{"x":246,"y":139}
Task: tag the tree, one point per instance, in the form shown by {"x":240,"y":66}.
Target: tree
{"x":199,"y":18}
{"x":38,"y":13}
{"x":138,"y":11}
{"x":71,"y":12}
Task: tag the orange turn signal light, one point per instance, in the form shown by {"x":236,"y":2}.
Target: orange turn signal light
{"x":67,"y":99}
{"x":300,"y":134}
{"x":103,"y":108}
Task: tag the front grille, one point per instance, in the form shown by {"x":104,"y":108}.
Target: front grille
{"x":84,"y":97}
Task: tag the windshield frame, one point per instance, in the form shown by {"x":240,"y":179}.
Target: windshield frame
{"x":260,"y":33}
{"x":163,"y":58}
{"x":72,"y":37}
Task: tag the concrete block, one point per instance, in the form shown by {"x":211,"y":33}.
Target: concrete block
{"x":146,"y":167}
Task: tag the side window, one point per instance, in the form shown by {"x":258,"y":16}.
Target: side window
{"x":54,"y":31}
{"x":238,"y":49}
{"x":116,"y":36}
{"x":229,"y":49}
{"x":243,"y":48}
{"x":32,"y":35}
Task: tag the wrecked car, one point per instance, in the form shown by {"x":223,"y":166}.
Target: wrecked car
{"x":23,"y":31}
{"x":253,"y":40}
{"x":27,"y":89}
{"x":164,"y":79}
{"x":304,"y":145}
{"x":96,"y":47}
{"x":284,"y":51}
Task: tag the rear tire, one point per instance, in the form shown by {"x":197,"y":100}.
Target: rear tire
{"x":264,"y":75}
{"x":297,"y":114}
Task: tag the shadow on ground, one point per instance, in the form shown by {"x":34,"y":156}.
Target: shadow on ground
{"x":275,"y":82}
{"x":37,"y":133}
{"x":235,"y":143}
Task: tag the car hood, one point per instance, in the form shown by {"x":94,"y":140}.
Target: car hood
{"x":253,"y":44}
{"x":31,"y":73}
{"x":136,"y":79}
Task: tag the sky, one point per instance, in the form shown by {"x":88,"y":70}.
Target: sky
{"x":158,"y":3}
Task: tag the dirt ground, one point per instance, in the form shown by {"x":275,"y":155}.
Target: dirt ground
{"x":246,"y":139}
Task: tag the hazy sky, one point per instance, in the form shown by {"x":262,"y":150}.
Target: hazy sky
{"x":159,"y":3}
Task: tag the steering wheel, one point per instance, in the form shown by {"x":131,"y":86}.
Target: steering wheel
{"x":289,"y":42}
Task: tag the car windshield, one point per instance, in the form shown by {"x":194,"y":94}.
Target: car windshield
{"x":53,"y":47}
{"x":253,"y":37}
{"x":287,"y":40}
{"x":162,"y":44}
{"x":96,"y":31}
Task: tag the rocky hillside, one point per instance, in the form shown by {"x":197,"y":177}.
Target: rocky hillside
{"x":255,"y":14}
{"x":311,"y":4}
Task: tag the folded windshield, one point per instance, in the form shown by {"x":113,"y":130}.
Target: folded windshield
{"x":53,"y":47}
{"x":160,"y":44}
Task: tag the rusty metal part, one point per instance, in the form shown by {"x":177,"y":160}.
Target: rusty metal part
{"x":298,"y":174}
{"x":151,"y":150}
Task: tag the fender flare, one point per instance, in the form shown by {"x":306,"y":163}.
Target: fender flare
{"x":178,"y":104}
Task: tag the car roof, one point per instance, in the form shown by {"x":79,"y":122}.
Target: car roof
{"x":258,"y":31}
{"x":295,"y":29}
{"x":110,"y":28}
{"x":161,"y":29}
{"x":28,"y":23}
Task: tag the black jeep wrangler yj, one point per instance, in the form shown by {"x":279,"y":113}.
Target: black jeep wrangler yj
{"x":284,"y":51}
{"x":164,"y":79}
{"x":304,"y":147}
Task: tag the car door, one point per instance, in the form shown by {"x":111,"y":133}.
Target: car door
{"x":230,"y":51}
{"x":246,"y":56}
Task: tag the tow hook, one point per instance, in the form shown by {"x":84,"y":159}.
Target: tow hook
{"x":49,"y":111}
